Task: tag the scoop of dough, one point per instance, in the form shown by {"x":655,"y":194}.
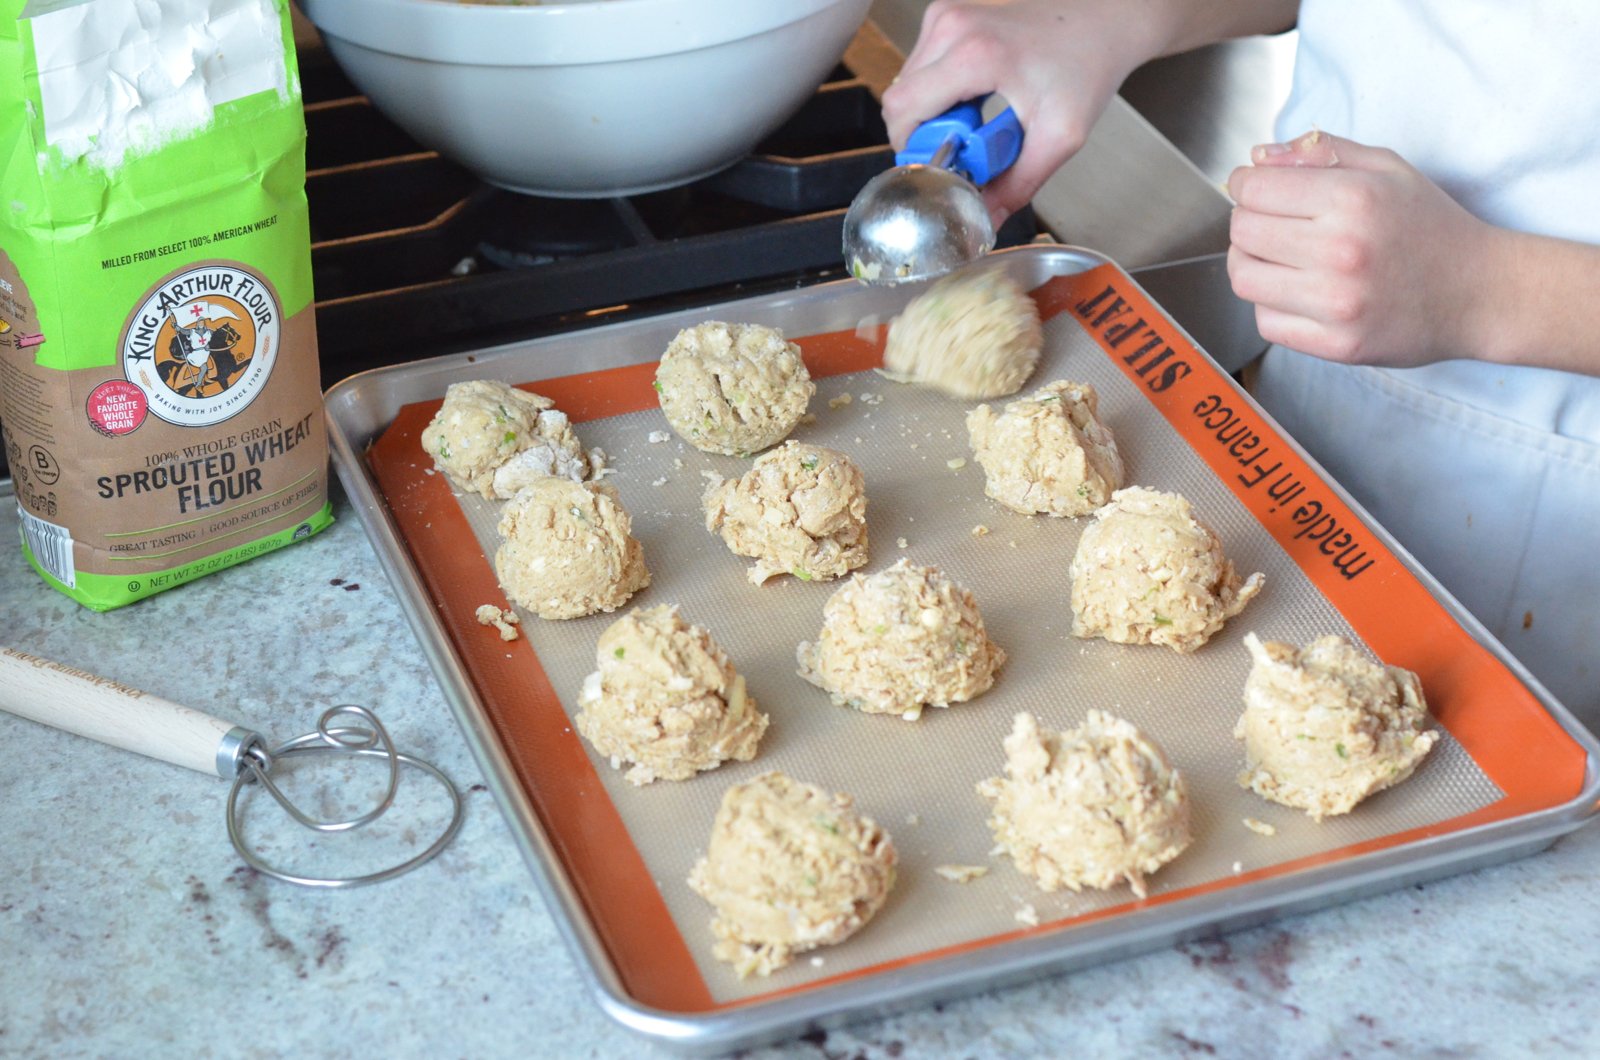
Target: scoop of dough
{"x":789,"y":868}
{"x":733,"y":389}
{"x":485,"y":425}
{"x":1089,"y":807}
{"x":899,"y":640}
{"x":799,"y":510}
{"x":666,"y":698}
{"x":973,"y":334}
{"x":1048,"y":452}
{"x":568,"y":549}
{"x":1325,"y":727}
{"x":1148,"y":572}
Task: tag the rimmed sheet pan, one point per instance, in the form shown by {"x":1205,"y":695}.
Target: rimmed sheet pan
{"x":1513,"y":772}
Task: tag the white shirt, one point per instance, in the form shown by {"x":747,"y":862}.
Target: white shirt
{"x":1488,"y":474}
{"x":1498,"y":104}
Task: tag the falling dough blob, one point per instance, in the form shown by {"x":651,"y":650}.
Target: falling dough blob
{"x":1148,"y":572}
{"x":1089,"y":807}
{"x":492,"y":439}
{"x":973,"y":334}
{"x":1325,"y":727}
{"x":789,"y":868}
{"x":733,"y":389}
{"x":666,"y":698}
{"x":900,"y":640}
{"x":568,"y":550}
{"x":799,"y":510}
{"x":1047,"y":453}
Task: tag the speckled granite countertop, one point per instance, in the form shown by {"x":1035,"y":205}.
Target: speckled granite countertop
{"x":129,"y":927}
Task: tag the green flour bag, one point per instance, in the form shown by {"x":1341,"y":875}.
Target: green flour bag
{"x":159,"y":387}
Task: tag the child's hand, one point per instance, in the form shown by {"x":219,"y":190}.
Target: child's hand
{"x":1057,"y":64}
{"x":1350,"y":253}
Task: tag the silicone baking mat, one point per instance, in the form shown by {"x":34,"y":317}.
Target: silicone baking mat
{"x":1182,"y":426}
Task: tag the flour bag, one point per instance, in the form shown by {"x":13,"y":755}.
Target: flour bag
{"x":159,"y":389}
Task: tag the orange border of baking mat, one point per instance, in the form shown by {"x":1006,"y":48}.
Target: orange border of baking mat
{"x":1499,"y":722}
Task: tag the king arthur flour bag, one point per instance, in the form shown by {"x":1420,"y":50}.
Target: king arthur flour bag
{"x":159,"y":388}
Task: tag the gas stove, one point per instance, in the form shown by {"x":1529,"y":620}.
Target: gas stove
{"x":412,"y":256}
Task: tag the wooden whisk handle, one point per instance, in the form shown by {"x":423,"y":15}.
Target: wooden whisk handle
{"x":66,"y":697}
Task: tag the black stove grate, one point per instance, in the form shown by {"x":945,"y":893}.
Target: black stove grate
{"x":413,"y":256}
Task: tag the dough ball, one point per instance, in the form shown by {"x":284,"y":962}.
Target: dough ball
{"x":900,"y":640}
{"x":789,"y":868}
{"x":973,"y":335}
{"x":568,"y":550}
{"x":666,"y":698}
{"x":1047,"y":453}
{"x":733,"y":389}
{"x":492,"y":439}
{"x":799,"y":510}
{"x":1148,"y":572}
{"x":1325,"y":727}
{"x":1089,"y":807}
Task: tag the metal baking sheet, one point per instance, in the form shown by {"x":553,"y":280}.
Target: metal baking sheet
{"x":612,"y":858}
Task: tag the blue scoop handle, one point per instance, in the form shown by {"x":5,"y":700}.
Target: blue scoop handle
{"x":984,"y":151}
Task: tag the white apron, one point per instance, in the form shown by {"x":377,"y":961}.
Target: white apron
{"x":1488,"y":475}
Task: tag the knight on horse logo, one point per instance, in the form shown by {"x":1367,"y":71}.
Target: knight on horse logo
{"x":202,"y":343}
{"x":202,"y":360}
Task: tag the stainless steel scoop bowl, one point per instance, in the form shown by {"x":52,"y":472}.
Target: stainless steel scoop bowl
{"x":926,"y":217}
{"x":914,"y":223}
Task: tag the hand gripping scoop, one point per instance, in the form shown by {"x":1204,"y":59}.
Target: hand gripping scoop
{"x":925,"y":217}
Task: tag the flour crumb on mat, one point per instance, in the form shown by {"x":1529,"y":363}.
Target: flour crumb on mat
{"x":1238,"y":867}
{"x":840,"y":402}
{"x":657,"y":437}
{"x":980,"y":530}
{"x":503,"y":620}
{"x":956,"y":463}
{"x":1027,"y":915}
{"x":1259,"y":827}
{"x":961,"y":873}
{"x":902,"y":542}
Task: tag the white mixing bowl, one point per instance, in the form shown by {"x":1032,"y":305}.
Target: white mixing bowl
{"x":588,"y":98}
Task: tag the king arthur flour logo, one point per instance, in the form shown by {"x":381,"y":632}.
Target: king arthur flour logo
{"x":202,"y":343}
